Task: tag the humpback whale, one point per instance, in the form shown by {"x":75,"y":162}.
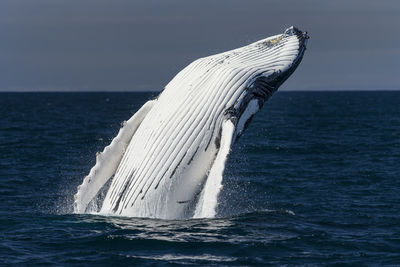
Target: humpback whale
{"x":167,"y":160}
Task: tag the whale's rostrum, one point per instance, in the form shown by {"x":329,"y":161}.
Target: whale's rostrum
{"x":168,"y":160}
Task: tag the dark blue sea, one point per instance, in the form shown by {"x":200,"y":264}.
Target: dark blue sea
{"x":315,"y":180}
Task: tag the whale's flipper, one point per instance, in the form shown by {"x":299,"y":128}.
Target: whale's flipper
{"x":108,"y":160}
{"x":207,"y":204}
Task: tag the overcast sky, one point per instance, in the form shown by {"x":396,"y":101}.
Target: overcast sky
{"x":99,"y":45}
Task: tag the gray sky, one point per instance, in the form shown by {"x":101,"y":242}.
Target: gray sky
{"x":99,"y":45}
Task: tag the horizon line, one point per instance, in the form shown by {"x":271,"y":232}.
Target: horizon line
{"x":124,"y":91}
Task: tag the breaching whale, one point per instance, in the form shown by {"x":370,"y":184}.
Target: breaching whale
{"x":168,"y":159}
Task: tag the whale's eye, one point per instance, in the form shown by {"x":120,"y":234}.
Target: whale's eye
{"x":290,"y":31}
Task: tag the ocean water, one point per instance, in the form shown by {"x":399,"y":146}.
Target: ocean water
{"x":315,"y":180}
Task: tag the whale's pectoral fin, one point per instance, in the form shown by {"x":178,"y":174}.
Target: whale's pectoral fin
{"x":209,"y":196}
{"x":108,"y":160}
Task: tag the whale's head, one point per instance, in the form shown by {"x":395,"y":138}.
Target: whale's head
{"x":269,"y":62}
{"x":265,"y":65}
{"x":283,"y":54}
{"x":255,"y":70}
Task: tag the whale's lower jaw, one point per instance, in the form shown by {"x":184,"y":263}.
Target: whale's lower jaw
{"x":178,"y":143}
